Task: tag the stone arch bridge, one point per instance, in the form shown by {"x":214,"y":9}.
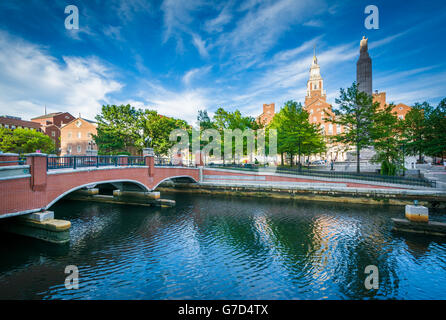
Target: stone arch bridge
{"x":40,"y":182}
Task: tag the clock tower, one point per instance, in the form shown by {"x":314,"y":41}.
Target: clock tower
{"x":315,"y":84}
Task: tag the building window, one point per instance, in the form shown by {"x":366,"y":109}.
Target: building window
{"x":401,"y":117}
{"x":311,"y":111}
{"x":53,"y":133}
{"x":12,"y":127}
{"x":79,"y":135}
{"x":314,"y":119}
{"x":69,"y":149}
{"x":69,"y":135}
{"x":330,"y":129}
{"x":338,"y":128}
{"x":89,"y":135}
{"x":79,"y":148}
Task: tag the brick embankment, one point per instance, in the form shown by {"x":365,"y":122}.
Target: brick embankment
{"x":373,"y":195}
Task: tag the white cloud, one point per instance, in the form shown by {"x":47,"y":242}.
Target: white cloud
{"x":178,"y":104}
{"x":314,"y":23}
{"x":195,"y":72}
{"x":263,"y":25}
{"x":113,"y":32}
{"x":30,"y":78}
{"x":200,"y":45}
{"x":217,"y":24}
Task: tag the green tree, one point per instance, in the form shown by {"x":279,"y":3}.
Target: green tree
{"x":436,"y":131}
{"x":25,"y":141}
{"x":119,"y":130}
{"x":224,"y":120}
{"x":387,"y":140}
{"x":415,"y":130}
{"x":355,"y":113}
{"x":295,"y":134}
{"x":158,"y":128}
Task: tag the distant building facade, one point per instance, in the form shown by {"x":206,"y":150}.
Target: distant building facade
{"x":321,"y":113}
{"x":268,"y":114}
{"x":51,"y":123}
{"x":400,"y":109}
{"x":10,"y":122}
{"x":76,"y":137}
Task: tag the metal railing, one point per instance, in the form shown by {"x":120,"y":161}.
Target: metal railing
{"x":75,"y":162}
{"x":18,"y":162}
{"x":166,"y":162}
{"x":305,"y":171}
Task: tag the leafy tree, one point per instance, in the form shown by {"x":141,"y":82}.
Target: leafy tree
{"x":295,"y":134}
{"x":355,"y":113}
{"x":436,"y":131}
{"x":233,"y":120}
{"x":119,"y":130}
{"x":415,"y":130}
{"x":124,"y":130}
{"x":387,"y":137}
{"x":204,"y":121}
{"x":25,"y":141}
{"x":158,"y":128}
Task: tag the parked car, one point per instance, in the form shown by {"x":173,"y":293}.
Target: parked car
{"x":319,"y":163}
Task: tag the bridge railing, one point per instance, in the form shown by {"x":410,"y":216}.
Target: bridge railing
{"x":166,"y":162}
{"x":74,"y":162}
{"x":302,"y":171}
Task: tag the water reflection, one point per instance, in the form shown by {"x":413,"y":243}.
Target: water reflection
{"x":212,"y":247}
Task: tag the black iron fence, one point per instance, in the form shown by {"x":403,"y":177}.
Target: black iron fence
{"x":75,"y":162}
{"x":305,"y":171}
{"x":19,"y":162}
{"x":167,"y":162}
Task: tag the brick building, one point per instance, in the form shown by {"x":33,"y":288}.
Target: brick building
{"x":51,"y":123}
{"x":320,"y":112}
{"x":268,"y":114}
{"x":10,"y":122}
{"x":76,"y":137}
{"x":400,"y":109}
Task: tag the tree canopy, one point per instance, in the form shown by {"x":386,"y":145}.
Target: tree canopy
{"x":25,"y":141}
{"x":295,"y":134}
{"x":356,"y":111}
{"x":124,"y":130}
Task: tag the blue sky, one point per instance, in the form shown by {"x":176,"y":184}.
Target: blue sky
{"x":181,"y":56}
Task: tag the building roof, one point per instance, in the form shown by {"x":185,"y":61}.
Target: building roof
{"x":89,"y":121}
{"x":19,"y":122}
{"x":49,"y":115}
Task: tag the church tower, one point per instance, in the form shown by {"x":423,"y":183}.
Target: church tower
{"x":315,"y":84}
{"x":364,"y":68}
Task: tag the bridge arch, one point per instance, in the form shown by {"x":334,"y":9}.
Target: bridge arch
{"x":192,"y":179}
{"x":141,"y":185}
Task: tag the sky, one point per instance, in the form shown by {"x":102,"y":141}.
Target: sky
{"x":181,"y":56}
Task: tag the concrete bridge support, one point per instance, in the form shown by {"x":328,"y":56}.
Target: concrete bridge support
{"x":122,"y":197}
{"x":39,"y":225}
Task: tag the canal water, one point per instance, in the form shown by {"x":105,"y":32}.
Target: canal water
{"x":217,"y":247}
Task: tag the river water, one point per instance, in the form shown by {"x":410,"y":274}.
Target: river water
{"x":218,"y":247}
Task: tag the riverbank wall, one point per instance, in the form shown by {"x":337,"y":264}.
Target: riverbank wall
{"x":372,"y":196}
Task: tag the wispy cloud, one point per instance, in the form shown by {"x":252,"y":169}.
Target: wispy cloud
{"x":31,"y":78}
{"x":200,"y":45}
{"x":194,"y":73}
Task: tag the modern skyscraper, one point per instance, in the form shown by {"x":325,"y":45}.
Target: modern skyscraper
{"x":364,"y":68}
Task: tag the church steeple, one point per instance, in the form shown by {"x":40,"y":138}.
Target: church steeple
{"x":315,"y":84}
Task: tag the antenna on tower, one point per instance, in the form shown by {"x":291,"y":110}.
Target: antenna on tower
{"x":45,"y":109}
